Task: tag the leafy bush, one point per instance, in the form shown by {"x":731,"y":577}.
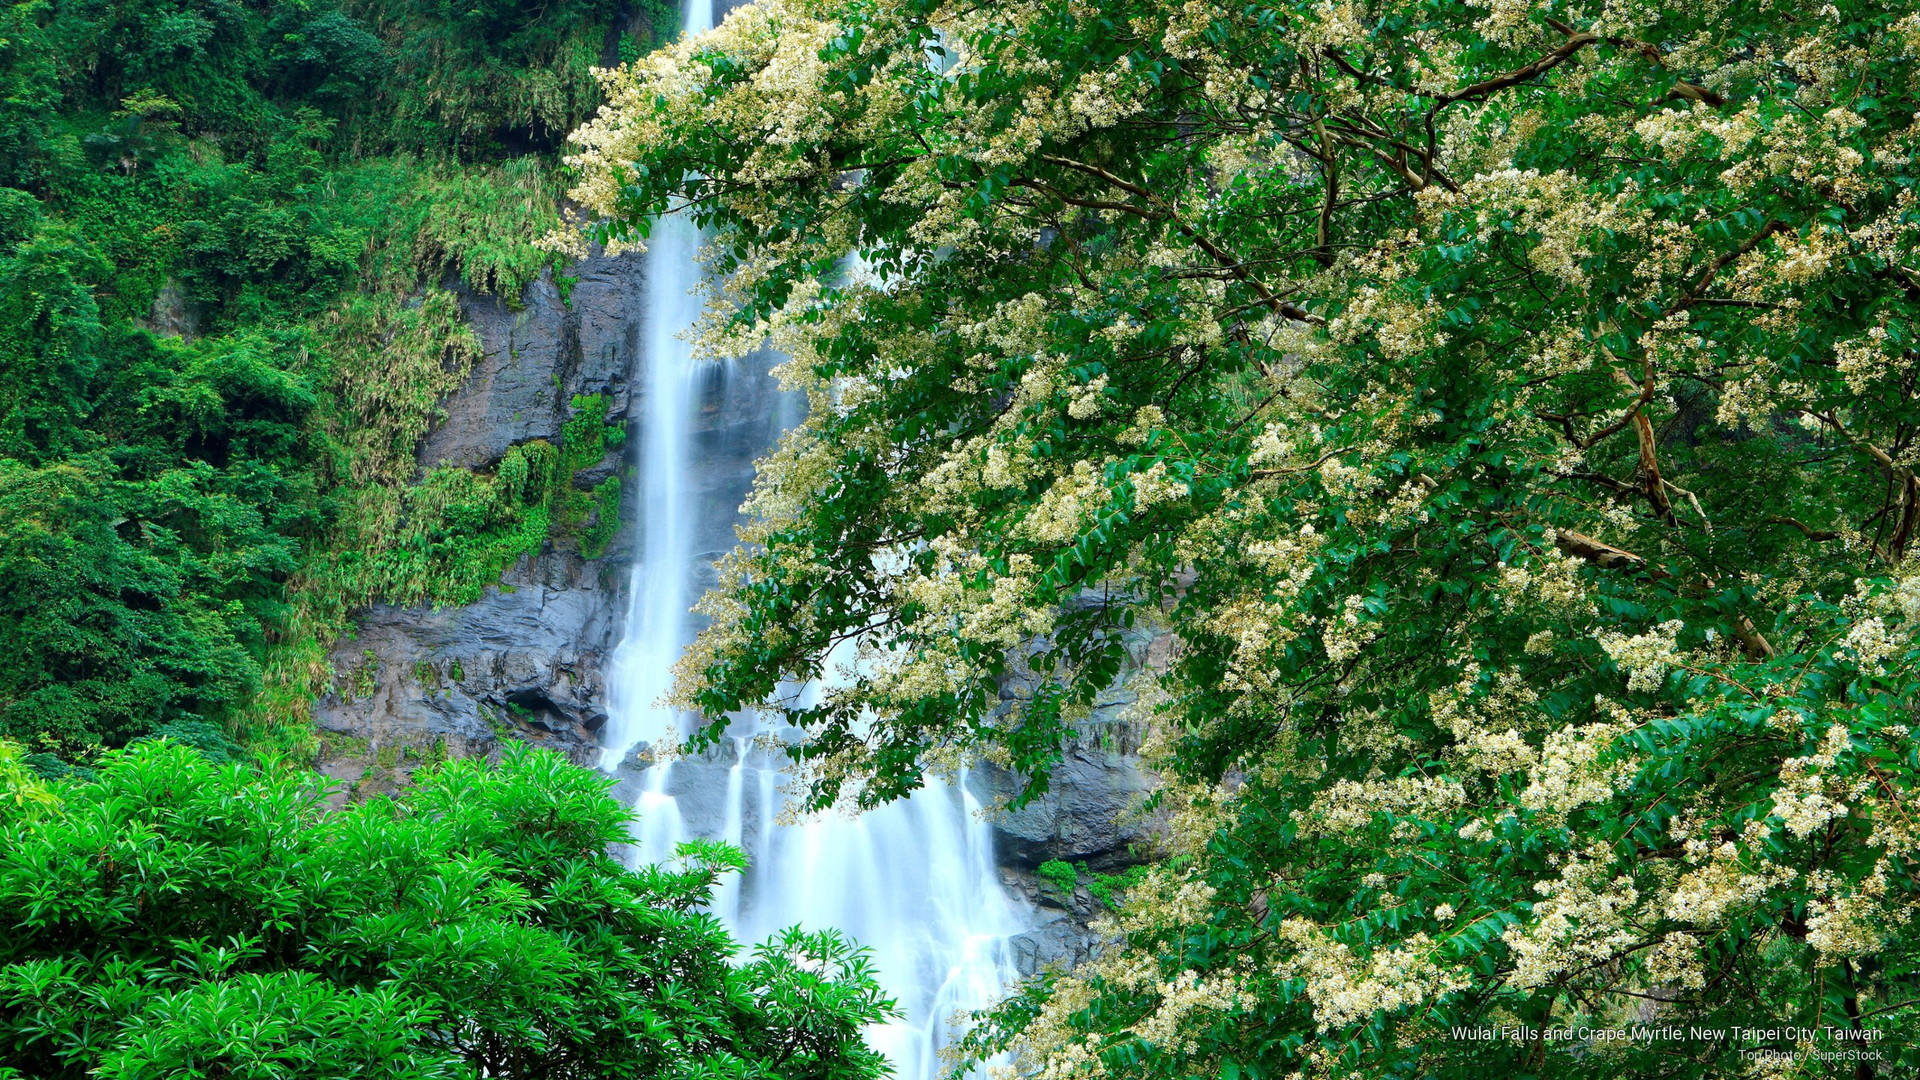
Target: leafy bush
{"x":1061,"y":875}
{"x":180,"y":917}
{"x":210,"y":740}
{"x":1110,"y":889}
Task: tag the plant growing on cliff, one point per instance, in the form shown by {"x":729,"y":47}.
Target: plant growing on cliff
{"x":1509,"y":411}
{"x":1059,"y":874}
{"x":178,"y":917}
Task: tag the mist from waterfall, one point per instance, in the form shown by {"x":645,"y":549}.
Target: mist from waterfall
{"x":914,"y":881}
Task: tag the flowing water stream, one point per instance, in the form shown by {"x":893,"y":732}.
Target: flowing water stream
{"x":914,"y":881}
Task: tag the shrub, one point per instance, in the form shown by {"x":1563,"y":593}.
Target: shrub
{"x":184,"y":917}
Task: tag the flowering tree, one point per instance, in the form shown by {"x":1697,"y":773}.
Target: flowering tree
{"x":1507,"y":409}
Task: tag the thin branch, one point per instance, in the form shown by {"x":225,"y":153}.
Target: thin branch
{"x":1278,"y":306}
{"x":1811,"y":534}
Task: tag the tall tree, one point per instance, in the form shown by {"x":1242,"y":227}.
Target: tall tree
{"x":1508,"y":410}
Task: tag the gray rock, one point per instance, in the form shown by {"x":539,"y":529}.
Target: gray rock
{"x":1056,"y":940}
{"x":525,"y":661}
{"x":739,"y":415}
{"x":174,"y":313}
{"x":536,"y":358}
{"x":1090,"y":815}
{"x":1087,"y":813}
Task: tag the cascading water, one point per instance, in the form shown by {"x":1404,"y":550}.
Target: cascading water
{"x":642,"y":668}
{"x":657,"y":608}
{"x":913,"y":881}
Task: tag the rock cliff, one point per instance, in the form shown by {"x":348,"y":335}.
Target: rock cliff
{"x":1089,"y":819}
{"x":527,"y":661}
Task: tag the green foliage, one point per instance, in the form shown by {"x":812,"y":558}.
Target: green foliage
{"x":291,"y":195}
{"x":49,"y":346}
{"x":413,"y":75}
{"x":210,"y":740}
{"x":474,"y":223}
{"x":488,"y":75}
{"x":1061,"y":875}
{"x":53,"y":767}
{"x":142,"y":577}
{"x":19,"y":217}
{"x":1110,"y":889}
{"x":180,"y":917}
{"x":31,"y":144}
{"x":1507,"y":413}
{"x":449,"y":535}
{"x":603,"y":518}
{"x":23,"y":794}
{"x":589,"y":517}
{"x":393,"y":360}
{"x":156,"y":497}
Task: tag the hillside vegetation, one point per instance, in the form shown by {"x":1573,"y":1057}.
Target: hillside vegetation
{"x":228,"y":235}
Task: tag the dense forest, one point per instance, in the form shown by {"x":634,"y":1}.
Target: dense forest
{"x":1505,"y":414}
{"x":230,"y":234}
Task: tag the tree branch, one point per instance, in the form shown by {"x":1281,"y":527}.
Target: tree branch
{"x":1520,"y":74}
{"x":1232,"y":264}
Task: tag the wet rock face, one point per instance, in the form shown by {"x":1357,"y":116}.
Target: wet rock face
{"x":1059,"y":937}
{"x":527,"y":661}
{"x":535,"y":359}
{"x":1090,"y":815}
{"x":1086,"y":815}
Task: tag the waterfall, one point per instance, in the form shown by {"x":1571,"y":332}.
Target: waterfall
{"x":914,"y":881}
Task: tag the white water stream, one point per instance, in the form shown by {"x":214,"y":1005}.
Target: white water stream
{"x":913,"y":881}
